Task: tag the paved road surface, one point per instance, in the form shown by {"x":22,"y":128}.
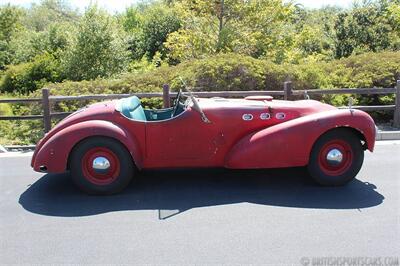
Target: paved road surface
{"x":270,"y":217}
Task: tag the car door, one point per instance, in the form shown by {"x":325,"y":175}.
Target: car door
{"x":183,"y":141}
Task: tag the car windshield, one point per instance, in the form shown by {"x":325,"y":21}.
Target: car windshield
{"x":131,"y":108}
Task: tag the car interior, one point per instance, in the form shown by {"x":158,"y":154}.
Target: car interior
{"x":131,"y":108}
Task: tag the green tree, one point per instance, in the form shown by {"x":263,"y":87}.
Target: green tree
{"x":56,"y":40}
{"x":21,"y":41}
{"x":392,"y":14}
{"x":41,"y":16}
{"x":159,"y":22}
{"x":314,"y":35}
{"x":363,"y":29}
{"x":10,"y":23}
{"x":248,"y":27}
{"x":148,"y":27}
{"x":132,"y":22}
{"x":99,"y":49}
{"x":59,"y":37}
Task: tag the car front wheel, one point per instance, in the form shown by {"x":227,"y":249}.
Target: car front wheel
{"x":101,"y":166}
{"x":336,"y":158}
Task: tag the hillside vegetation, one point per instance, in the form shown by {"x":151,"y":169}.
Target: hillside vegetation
{"x":52,"y":42}
{"x":238,"y":72}
{"x":223,"y":72}
{"x":212,"y":45}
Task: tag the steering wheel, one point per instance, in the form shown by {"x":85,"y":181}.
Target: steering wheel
{"x":176,"y":104}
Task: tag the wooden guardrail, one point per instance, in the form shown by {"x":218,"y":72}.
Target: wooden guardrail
{"x":288,"y":94}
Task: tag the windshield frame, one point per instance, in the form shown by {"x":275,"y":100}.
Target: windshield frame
{"x":196,"y":106}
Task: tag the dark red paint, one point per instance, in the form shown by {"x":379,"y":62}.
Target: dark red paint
{"x":283,"y":140}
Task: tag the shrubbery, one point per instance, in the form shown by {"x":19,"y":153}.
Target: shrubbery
{"x":237,"y":72}
{"x":28,"y":77}
{"x":224,"y":72}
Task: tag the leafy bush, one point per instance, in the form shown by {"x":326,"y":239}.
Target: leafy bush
{"x":5,"y":109}
{"x":238,"y":72}
{"x":226,"y":72}
{"x":28,"y":77}
{"x":20,"y":132}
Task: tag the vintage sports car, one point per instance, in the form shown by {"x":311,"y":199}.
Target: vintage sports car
{"x":105,"y":144}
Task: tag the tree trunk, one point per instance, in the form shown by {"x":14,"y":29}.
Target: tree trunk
{"x":221,"y":25}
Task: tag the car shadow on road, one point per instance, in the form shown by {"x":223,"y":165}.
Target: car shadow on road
{"x":182,"y":190}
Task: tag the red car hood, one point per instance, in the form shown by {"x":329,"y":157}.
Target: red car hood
{"x":300,"y":108}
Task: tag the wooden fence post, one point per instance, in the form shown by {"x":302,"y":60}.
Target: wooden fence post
{"x":396,"y":118}
{"x":166,"y":97}
{"x":46,"y":110}
{"x":287,"y":89}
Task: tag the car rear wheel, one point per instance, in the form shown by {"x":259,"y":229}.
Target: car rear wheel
{"x":336,"y":158}
{"x":101,"y":166}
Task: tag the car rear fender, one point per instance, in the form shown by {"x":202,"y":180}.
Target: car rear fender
{"x":289,"y":144}
{"x":55,"y":151}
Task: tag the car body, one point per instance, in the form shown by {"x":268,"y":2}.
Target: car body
{"x":248,"y":133}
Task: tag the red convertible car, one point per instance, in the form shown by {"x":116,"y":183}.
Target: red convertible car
{"x":105,"y":144}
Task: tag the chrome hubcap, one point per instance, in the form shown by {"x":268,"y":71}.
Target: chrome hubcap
{"x":334,"y":157}
{"x":101,"y":165}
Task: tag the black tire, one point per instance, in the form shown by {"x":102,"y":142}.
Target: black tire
{"x":120,"y":172}
{"x":324,"y":171}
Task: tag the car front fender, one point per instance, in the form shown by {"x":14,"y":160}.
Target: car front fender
{"x":54,"y":153}
{"x":289,"y":144}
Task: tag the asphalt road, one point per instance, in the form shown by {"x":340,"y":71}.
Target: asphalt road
{"x":274,"y":217}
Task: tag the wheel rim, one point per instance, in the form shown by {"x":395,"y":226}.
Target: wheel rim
{"x":100,"y":166}
{"x":335,"y":157}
